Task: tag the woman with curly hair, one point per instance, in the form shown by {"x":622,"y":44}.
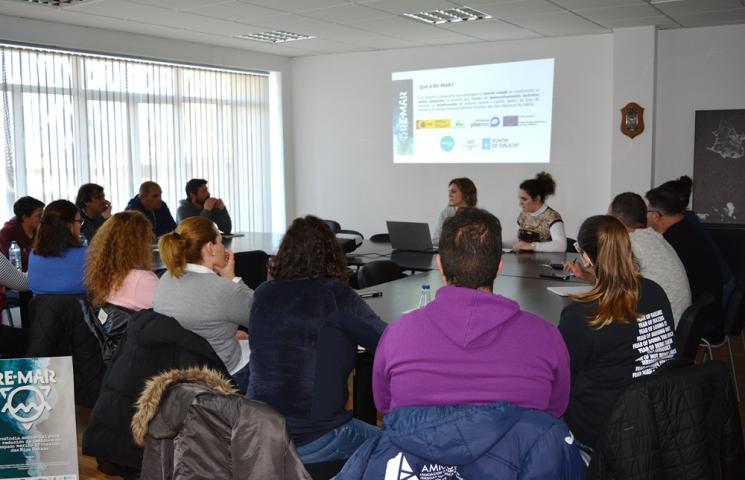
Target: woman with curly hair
{"x":119,"y":266}
{"x":305,"y":326}
{"x":541,"y":228}
{"x":56,"y":263}
{"x":200,"y":290}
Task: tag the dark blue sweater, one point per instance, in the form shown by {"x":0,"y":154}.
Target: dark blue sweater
{"x":161,"y":218}
{"x":304,"y":335}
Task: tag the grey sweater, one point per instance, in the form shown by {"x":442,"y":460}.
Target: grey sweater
{"x":210,"y":306}
{"x":659,"y":263}
{"x":221,"y":217}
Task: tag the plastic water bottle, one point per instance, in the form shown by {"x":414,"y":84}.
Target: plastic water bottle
{"x":424,"y":296}
{"x":83,"y":240}
{"x":14,"y":255}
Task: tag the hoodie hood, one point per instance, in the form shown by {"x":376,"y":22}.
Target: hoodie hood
{"x":11,"y":224}
{"x":451,"y":435}
{"x":471,"y":318}
{"x":166,"y":422}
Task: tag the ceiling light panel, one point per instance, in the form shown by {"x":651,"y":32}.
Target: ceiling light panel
{"x":450,"y":15}
{"x":53,"y":3}
{"x":276,"y":36}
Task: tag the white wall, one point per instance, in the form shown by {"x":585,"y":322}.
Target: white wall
{"x":342,"y":124}
{"x":50,"y":34}
{"x":697,"y":69}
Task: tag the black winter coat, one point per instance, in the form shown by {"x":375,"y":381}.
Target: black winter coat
{"x":63,"y":325}
{"x":153,"y":344}
{"x":680,"y":423}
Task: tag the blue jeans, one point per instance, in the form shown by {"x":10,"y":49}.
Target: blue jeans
{"x":241,"y":378}
{"x":338,"y":444}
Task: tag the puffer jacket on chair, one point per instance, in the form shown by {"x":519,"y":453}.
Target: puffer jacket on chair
{"x":193,"y":424}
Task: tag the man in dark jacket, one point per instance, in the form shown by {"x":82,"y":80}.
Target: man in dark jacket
{"x":474,"y":442}
{"x":94,"y":208}
{"x":149,"y":202}
{"x":194,"y":420}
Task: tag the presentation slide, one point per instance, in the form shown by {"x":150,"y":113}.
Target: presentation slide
{"x":499,"y":113}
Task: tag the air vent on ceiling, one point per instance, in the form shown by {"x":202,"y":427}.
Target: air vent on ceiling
{"x":450,"y":15}
{"x":277,"y":36}
{"x":53,"y":3}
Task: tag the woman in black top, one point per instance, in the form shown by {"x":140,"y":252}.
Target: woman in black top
{"x":617,"y":332}
{"x":304,"y":330}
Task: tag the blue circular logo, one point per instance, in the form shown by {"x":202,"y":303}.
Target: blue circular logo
{"x":447,"y":143}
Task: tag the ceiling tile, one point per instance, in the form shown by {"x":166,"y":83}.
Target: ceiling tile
{"x":409,"y":6}
{"x":721,"y":17}
{"x":490,"y":30}
{"x":558,"y":24}
{"x":179,"y":4}
{"x":581,"y":4}
{"x":521,"y":9}
{"x":602,"y":15}
{"x":296,"y":5}
{"x":234,"y":11}
{"x":659,"y":21}
{"x":292,"y":23}
{"x":346,"y":14}
{"x":344,"y":34}
{"x":691,"y":6}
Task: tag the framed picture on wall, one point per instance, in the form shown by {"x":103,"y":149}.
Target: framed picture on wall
{"x":719,"y":166}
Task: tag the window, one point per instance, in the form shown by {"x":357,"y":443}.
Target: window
{"x":71,"y":118}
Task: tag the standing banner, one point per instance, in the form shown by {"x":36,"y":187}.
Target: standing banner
{"x":37,"y":419}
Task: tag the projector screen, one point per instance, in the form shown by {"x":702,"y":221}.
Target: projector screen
{"x":499,"y":113}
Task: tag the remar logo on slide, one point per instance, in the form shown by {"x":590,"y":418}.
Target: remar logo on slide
{"x":447,"y":143}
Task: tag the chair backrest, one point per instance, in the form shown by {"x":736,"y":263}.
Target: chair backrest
{"x":734,"y":313}
{"x":691,"y":326}
{"x":333,"y":225}
{"x":62,"y":325}
{"x":377,"y":272}
{"x":380,"y":238}
{"x":251,"y":267}
{"x":324,"y":470}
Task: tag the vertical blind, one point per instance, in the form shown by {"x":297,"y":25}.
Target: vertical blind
{"x":71,"y":118}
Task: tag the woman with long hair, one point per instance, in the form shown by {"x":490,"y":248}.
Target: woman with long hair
{"x":619,"y":331}
{"x":56,"y":263}
{"x":119,"y":266}
{"x":541,"y":228}
{"x":305,"y":326}
{"x":200,"y":290}
{"x":461,"y":193}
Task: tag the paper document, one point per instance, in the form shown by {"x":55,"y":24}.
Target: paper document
{"x":566,"y":291}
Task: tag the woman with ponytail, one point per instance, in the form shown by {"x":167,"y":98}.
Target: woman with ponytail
{"x":541,"y":228}
{"x":56,"y":263}
{"x":619,"y":331}
{"x":200,"y":290}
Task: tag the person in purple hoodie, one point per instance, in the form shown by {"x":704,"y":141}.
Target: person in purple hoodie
{"x":471,"y":345}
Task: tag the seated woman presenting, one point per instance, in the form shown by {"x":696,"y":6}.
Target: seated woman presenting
{"x":200,"y":290}
{"x":604,"y":329}
{"x":461,"y":193}
{"x":305,"y":326}
{"x":541,"y":228}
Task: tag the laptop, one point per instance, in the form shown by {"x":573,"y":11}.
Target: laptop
{"x":410,"y":237}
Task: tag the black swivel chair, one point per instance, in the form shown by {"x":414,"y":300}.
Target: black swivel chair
{"x":380,"y":238}
{"x":734,"y":321}
{"x":691,"y":325}
{"x":251,"y":267}
{"x":377,"y":272}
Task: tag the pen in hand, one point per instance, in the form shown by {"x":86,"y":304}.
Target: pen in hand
{"x":371,"y":294}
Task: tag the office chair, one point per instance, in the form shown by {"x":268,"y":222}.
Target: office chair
{"x":377,"y":272}
{"x":690,"y":327}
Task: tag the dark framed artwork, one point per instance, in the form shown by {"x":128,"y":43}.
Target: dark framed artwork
{"x":719,"y":166}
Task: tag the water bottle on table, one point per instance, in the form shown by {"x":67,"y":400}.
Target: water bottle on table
{"x":83,"y":240}
{"x":425,"y":296}
{"x":14,"y":255}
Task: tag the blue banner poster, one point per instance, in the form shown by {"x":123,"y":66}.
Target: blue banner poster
{"x":37,"y":419}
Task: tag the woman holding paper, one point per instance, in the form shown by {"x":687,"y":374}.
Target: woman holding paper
{"x":619,"y":331}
